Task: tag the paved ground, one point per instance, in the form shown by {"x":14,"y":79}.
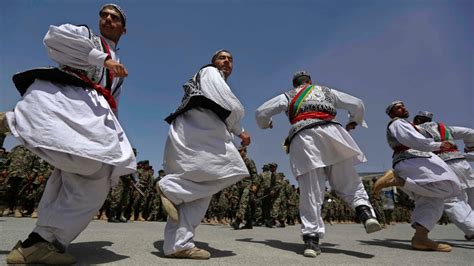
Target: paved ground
{"x":140,"y":243}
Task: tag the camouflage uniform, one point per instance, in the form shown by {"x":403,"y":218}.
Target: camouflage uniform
{"x":292,"y":204}
{"x":157,"y":211}
{"x":266,"y":199}
{"x":258,"y":186}
{"x":140,"y":201}
{"x":3,"y":181}
{"x":278,"y":194}
{"x":119,"y":198}
{"x":246,"y":204}
{"x":21,"y":163}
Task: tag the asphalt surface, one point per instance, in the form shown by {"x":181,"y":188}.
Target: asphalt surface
{"x":140,"y":243}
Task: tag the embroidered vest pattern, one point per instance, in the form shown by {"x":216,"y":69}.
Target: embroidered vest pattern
{"x":431,"y":130}
{"x":320,"y":99}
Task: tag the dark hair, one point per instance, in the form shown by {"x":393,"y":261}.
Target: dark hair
{"x":300,"y":80}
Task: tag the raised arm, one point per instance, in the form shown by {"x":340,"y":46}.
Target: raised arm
{"x":70,"y":45}
{"x":274,"y":106}
{"x":407,"y":135}
{"x":354,"y":106}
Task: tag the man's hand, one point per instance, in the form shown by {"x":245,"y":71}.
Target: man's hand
{"x":117,"y":69}
{"x":446,"y":145}
{"x":350,"y":126}
{"x":245,"y":138}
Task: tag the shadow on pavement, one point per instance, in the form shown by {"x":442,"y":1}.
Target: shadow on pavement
{"x":88,"y":253}
{"x":389,"y":243}
{"x":406,"y":244}
{"x":298,"y":248}
{"x":458,"y":243}
{"x":215,"y":253}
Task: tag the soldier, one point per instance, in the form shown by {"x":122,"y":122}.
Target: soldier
{"x":292,"y":204}
{"x":3,"y":180}
{"x":246,"y":206}
{"x":20,"y":163}
{"x":276,"y":197}
{"x":258,"y":190}
{"x":267,"y":201}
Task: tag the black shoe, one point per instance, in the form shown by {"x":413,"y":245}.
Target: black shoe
{"x":281,"y":224}
{"x":121,"y":219}
{"x":311,"y":246}
{"x":248,"y":225}
{"x":364,"y":213}
{"x":112,"y":220}
{"x":270,"y":223}
{"x":236,"y":224}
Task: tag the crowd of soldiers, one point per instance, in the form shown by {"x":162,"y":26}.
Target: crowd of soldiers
{"x":262,"y":199}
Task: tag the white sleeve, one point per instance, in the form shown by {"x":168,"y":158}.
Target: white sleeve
{"x":274,"y":106}
{"x":215,"y":88}
{"x":464,"y":133}
{"x":353,"y":105}
{"x":407,"y":135}
{"x":70,"y":45}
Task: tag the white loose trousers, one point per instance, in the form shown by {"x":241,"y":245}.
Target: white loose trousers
{"x":69,"y":203}
{"x":343,"y":178}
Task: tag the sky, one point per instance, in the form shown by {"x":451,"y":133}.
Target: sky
{"x":420,"y":52}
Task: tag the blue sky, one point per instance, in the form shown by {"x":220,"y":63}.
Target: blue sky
{"x":417,"y":51}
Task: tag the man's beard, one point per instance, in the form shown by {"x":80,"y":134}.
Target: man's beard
{"x":405,"y":115}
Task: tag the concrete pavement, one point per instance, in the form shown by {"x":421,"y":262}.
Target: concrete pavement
{"x":140,"y":243}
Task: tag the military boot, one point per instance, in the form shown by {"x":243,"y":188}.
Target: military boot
{"x":248,"y":225}
{"x":18,"y":213}
{"x":270,"y":223}
{"x":311,"y":246}
{"x":281,"y":224}
{"x":121,"y":219}
{"x":7,"y":212}
{"x":112,"y":217}
{"x":364,"y":213}
{"x":236,"y":224}
{"x":103,"y":216}
{"x":140,"y":218}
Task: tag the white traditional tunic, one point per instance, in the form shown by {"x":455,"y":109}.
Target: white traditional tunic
{"x":323,"y":153}
{"x":459,"y":208}
{"x":200,"y":159}
{"x":75,"y":130}
{"x":429,"y":179}
{"x":319,"y":146}
{"x":462,"y":167}
{"x":56,"y":120}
